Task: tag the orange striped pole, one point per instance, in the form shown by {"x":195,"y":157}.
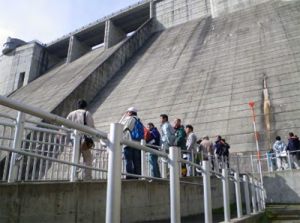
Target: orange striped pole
{"x":252,"y":104}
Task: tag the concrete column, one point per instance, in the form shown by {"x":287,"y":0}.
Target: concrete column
{"x":76,"y":49}
{"x":152,"y":9}
{"x":113,"y":34}
{"x":213,"y":8}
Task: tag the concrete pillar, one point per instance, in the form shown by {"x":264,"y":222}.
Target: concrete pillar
{"x":151,"y":9}
{"x":113,"y":34}
{"x":76,"y":49}
{"x":213,"y":8}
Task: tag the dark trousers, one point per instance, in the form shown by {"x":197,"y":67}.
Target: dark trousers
{"x":133,"y":161}
{"x":154,"y":165}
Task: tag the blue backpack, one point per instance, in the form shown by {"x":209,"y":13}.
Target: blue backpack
{"x":137,"y":132}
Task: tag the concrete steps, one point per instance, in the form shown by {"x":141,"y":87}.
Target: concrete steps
{"x":284,"y":213}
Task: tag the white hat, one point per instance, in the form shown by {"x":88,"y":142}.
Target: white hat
{"x":132,"y":109}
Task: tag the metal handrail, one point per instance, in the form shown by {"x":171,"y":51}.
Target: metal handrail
{"x":50,"y":117}
{"x":114,"y":163}
{"x":5,"y":148}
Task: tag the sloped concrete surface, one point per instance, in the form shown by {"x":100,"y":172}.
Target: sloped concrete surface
{"x":46,"y":92}
{"x":206,"y":71}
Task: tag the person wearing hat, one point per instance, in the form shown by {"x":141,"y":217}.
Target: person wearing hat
{"x":132,"y":156}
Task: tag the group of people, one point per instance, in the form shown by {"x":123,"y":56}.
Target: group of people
{"x":169,"y":135}
{"x":280,"y":150}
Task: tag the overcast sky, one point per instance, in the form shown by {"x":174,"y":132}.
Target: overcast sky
{"x":46,"y":20}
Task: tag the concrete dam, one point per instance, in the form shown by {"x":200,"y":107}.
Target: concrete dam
{"x":202,"y":61}
{"x":199,"y":61}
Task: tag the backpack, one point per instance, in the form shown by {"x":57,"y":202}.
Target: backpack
{"x":147,"y":134}
{"x":137,"y":132}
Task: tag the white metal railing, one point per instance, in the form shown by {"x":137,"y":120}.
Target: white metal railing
{"x":34,"y":150}
{"x":270,"y":161}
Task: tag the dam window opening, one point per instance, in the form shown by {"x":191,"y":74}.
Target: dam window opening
{"x":97,"y":46}
{"x":21,"y":79}
{"x":130,"y":34}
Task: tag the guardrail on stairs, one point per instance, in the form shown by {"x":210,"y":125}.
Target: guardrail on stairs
{"x":21,"y":136}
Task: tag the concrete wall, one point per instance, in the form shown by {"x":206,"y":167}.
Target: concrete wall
{"x":222,"y":7}
{"x":91,"y":86}
{"x":6,"y":80}
{"x":85,"y":202}
{"x":207,"y":70}
{"x":283,"y":187}
{"x":174,"y":12}
{"x":25,"y":59}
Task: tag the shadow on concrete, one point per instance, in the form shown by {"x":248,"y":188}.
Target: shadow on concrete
{"x":118,"y":77}
{"x":282,"y":187}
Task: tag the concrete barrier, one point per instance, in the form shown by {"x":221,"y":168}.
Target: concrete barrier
{"x":282,"y":187}
{"x":85,"y":201}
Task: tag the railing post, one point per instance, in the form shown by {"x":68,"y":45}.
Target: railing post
{"x":143,"y":159}
{"x":113,"y":194}
{"x":75,"y":155}
{"x":163,"y":168}
{"x":262,"y":198}
{"x":268,"y":162}
{"x":217,"y":166}
{"x":289,"y":160}
{"x":207,"y":191}
{"x":193,"y":161}
{"x":174,"y":185}
{"x":238,"y":195}
{"x":238,"y":163}
{"x":247,"y":195}
{"x":180,"y":164}
{"x":258,"y":198}
{"x":226,"y":201}
{"x":13,"y":167}
{"x":252,"y":165}
{"x":253,"y":196}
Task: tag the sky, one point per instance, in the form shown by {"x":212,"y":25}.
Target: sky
{"x":47,"y":20}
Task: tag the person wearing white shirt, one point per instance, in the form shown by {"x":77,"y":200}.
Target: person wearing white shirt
{"x":191,"y":147}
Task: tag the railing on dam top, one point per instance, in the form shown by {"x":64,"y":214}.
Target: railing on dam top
{"x":40,"y":151}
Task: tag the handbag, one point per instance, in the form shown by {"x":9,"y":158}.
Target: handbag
{"x":87,"y":141}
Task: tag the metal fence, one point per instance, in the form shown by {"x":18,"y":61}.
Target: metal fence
{"x":270,"y":161}
{"x":40,"y":151}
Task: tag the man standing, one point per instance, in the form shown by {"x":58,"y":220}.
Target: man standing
{"x":293,"y":146}
{"x":154,"y":140}
{"x":83,"y":117}
{"x":225,"y":154}
{"x":180,"y":136}
{"x":191,"y":147}
{"x":219,"y":149}
{"x":167,"y":133}
{"x":133,"y":130}
{"x":206,"y":146}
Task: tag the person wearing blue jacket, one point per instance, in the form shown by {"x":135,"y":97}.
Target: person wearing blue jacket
{"x":279,"y":148}
{"x":293,"y":147}
{"x":154,"y":142}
